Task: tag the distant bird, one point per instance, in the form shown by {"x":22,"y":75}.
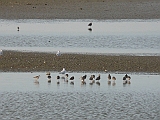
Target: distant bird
{"x":63,"y":71}
{"x":71,"y":79}
{"x":92,"y":79}
{"x":58,"y":77}
{"x":113,"y":78}
{"x":98,"y":78}
{"x":84,"y":77}
{"x":109,"y":77}
{"x":128,"y":78}
{"x":48,"y":73}
{"x":90,"y":29}
{"x":58,"y":53}
{"x":17,"y":28}
{"x":124,"y":80}
{"x":90,"y":24}
{"x":49,"y":78}
{"x":36,"y":77}
{"x":66,"y":77}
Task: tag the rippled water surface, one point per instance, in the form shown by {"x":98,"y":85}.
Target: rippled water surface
{"x":107,"y":36}
{"x":22,"y":98}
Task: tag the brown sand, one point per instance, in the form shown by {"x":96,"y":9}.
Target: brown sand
{"x":34,"y":61}
{"x":79,"y":9}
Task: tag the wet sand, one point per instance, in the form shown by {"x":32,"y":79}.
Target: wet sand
{"x":15,"y":61}
{"x":79,"y":9}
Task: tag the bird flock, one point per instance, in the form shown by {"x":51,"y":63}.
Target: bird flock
{"x":92,"y":78}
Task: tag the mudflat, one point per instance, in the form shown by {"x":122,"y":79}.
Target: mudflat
{"x":15,"y":61}
{"x":79,"y":9}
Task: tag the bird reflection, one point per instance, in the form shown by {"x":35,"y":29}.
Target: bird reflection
{"x":90,"y":29}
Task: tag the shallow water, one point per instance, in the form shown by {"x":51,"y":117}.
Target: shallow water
{"x":21,"y":98}
{"x":107,"y":36}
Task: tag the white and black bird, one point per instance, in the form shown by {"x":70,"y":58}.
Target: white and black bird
{"x":58,"y":77}
{"x":109,"y":79}
{"x":128,"y":78}
{"x":98,"y":79}
{"x":124,"y":80}
{"x":83,"y":78}
{"x":89,"y":26}
{"x":72,"y":80}
{"x":66,"y":78}
{"x":92,"y":79}
{"x":49,"y":78}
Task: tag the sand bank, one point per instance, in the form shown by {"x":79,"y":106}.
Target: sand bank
{"x":79,"y":9}
{"x":33,"y":61}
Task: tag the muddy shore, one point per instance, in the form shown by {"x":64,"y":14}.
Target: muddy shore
{"x":79,"y":9}
{"x":15,"y":61}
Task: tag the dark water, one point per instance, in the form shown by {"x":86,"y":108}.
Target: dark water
{"x":107,"y":36}
{"x":21,"y":98}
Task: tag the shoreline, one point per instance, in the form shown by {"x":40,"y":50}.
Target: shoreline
{"x":14,"y":61}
